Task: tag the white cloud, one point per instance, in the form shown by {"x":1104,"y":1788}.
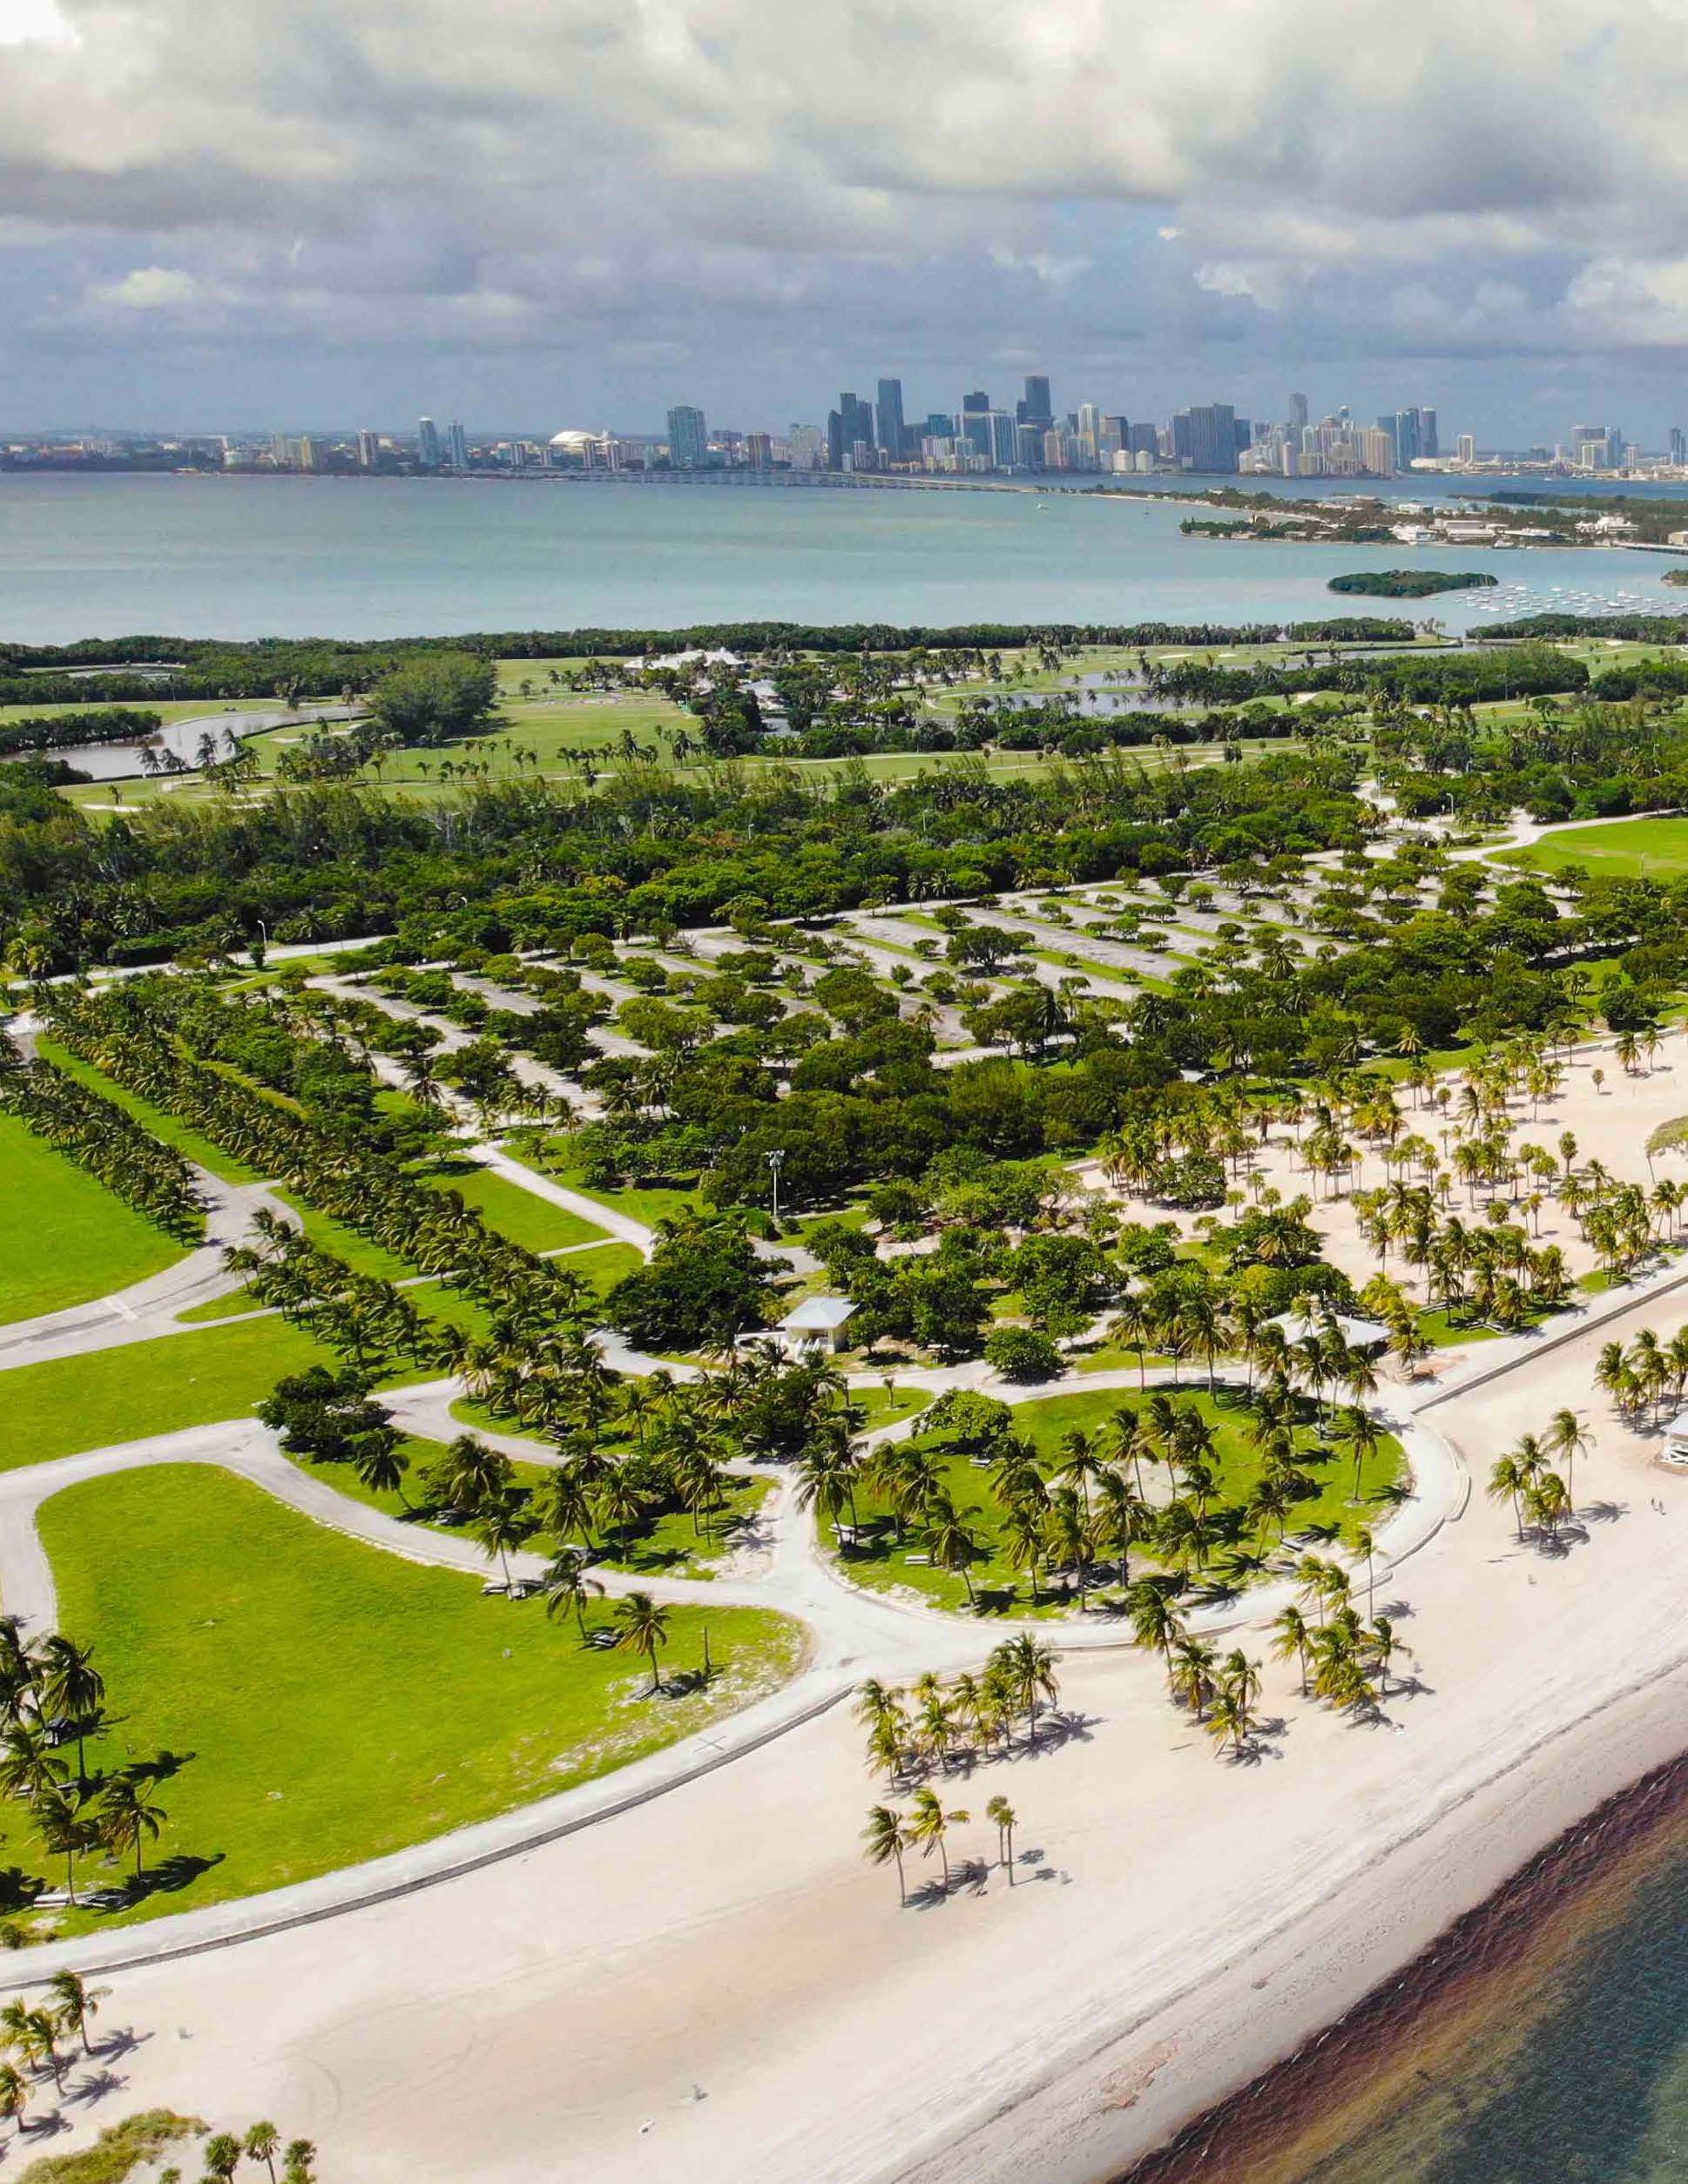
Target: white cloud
{"x":147,"y":289}
{"x":35,"y":22}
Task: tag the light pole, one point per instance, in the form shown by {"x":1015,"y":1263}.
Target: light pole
{"x":776,"y":1160}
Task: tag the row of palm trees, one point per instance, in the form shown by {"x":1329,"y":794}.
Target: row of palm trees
{"x":100,"y":1136}
{"x":890,"y":1834}
{"x":935,"y":1724}
{"x":223,"y":2151}
{"x":50,"y":1694}
{"x":30,"y":2037}
{"x":131,"y":1034}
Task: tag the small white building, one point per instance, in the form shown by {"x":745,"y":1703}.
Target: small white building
{"x":1676,"y":1440}
{"x":1358,"y":1334}
{"x":817,"y":1324}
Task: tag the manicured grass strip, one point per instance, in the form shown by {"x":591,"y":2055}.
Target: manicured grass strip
{"x":526,"y":1219}
{"x":338,"y":1702}
{"x":65,"y":1238}
{"x":169,"y":1127}
{"x":62,"y":1406}
{"x":1630,"y":849}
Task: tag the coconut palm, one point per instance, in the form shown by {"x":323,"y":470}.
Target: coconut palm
{"x":501,"y":1524}
{"x":644,"y":1625}
{"x":125,"y":1816}
{"x":65,"y":1831}
{"x":14,"y":2094}
{"x":1290,"y":1635}
{"x":70,"y":1688}
{"x":886,"y":1837}
{"x":566,"y":1586}
{"x":928,"y":1825}
{"x":77,"y":2005}
{"x":262,"y":2143}
{"x":1001,"y":1813}
{"x":1568,"y":1439}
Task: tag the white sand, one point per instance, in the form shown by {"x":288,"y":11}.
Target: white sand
{"x":549,"y":2017}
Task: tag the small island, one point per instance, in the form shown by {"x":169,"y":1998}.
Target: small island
{"x":1409,"y":584}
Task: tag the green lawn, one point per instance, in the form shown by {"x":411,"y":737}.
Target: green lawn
{"x":66,"y":1238}
{"x":884,"y":1406}
{"x":1001,"y":1589}
{"x":187,"y":1140}
{"x":1630,"y":849}
{"x":520,"y":1215}
{"x":331,"y":1703}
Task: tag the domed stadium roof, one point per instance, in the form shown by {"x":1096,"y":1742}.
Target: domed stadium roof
{"x":574,"y":438}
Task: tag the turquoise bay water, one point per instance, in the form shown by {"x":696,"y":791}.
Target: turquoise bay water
{"x":321,"y":556}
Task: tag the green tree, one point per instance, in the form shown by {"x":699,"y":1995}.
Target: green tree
{"x":886,"y":1840}
{"x":928,"y":1825}
{"x":643,"y":1624}
{"x":434,"y":698}
{"x":1001,"y":1813}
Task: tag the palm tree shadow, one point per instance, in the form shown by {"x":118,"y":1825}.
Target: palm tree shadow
{"x":1603,"y":1512}
{"x":95,"y":2085}
{"x":168,"y":1877}
{"x":685,"y":1684}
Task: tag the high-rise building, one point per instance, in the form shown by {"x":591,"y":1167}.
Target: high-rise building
{"x":1678,"y":447}
{"x":889,"y":429}
{"x":1005,"y":445}
{"x":976,"y":430}
{"x":1144,"y":440}
{"x":1428,"y":443}
{"x":938,"y":425}
{"x":1409,"y":444}
{"x":456,"y":446}
{"x":976,"y":404}
{"x":1204,"y":437}
{"x":1297,"y":412}
{"x":1468,"y":446}
{"x":851,"y":422}
{"x":1034,"y":409}
{"x":1028,"y":445}
{"x":428,"y":444}
{"x":688,"y":437}
{"x":369,"y":449}
{"x":759,"y":451}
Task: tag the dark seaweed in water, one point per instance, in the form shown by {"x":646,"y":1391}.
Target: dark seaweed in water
{"x":1571,"y":2069}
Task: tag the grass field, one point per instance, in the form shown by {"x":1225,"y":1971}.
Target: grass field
{"x":1625,"y":849}
{"x":61,"y":1405}
{"x":333,"y":1703}
{"x":188,"y":1141}
{"x":66,"y":1239}
{"x":1003,"y":1589}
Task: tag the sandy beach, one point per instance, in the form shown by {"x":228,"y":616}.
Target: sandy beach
{"x":716,"y":1985}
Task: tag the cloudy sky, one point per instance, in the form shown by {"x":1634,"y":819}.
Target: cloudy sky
{"x":540,"y":212}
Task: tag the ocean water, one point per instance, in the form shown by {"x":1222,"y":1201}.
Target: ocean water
{"x":233,"y":556}
{"x":1544,"y":2040}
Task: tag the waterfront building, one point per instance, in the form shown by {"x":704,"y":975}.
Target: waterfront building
{"x":891,"y":432}
{"x":1034,"y":409}
{"x":1468,"y":446}
{"x":688,"y":437}
{"x":428,"y":444}
{"x":759,"y":451}
{"x":369,"y":449}
{"x":456,"y":446}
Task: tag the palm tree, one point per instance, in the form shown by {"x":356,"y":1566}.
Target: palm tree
{"x":1508,"y":1479}
{"x":1290,"y":1635}
{"x":952,"y":1546}
{"x":1364,"y":1547}
{"x":1003,"y":1814}
{"x":502,"y":1523}
{"x":644,"y":1627}
{"x":929,"y":1823}
{"x":14,"y":2093}
{"x":65,"y":1832}
{"x":566,"y":1585}
{"x":39,"y":2044}
{"x":1568,"y":1438}
{"x":222,"y":2154}
{"x":261,"y":2144}
{"x":886,"y":1839}
{"x":126,"y":1818}
{"x":78,"y":2003}
{"x":70,"y":1688}
{"x":1357,"y":1430}
{"x":1030,"y":1665}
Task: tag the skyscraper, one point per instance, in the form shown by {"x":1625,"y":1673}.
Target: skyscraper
{"x":456,"y":446}
{"x":1204,"y":437}
{"x":759,"y":451}
{"x":1468,"y":446}
{"x":369,"y":449}
{"x":851,"y":423}
{"x":1034,"y":409}
{"x":428,"y":444}
{"x":1297,"y":412}
{"x":688,"y":437}
{"x":1004,"y":443}
{"x":1678,"y":447}
{"x":888,"y":419}
{"x":1409,"y":444}
{"x":1427,"y":444}
{"x":976,"y":404}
